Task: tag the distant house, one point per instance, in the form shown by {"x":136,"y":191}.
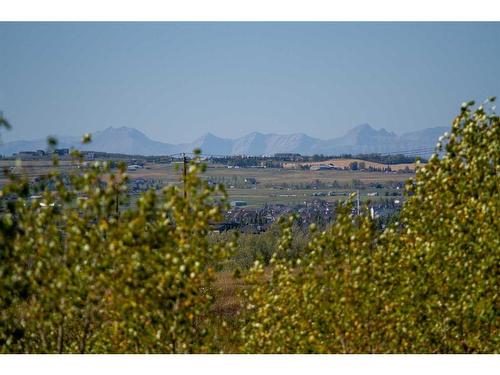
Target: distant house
{"x":31,"y":153}
{"x":250,"y":180}
{"x":27,"y":153}
{"x":321,"y":167}
{"x":61,"y":151}
{"x":319,"y":194}
{"x":90,"y":155}
{"x":238,"y":203}
{"x":288,"y":156}
{"x":134,"y":167}
{"x":224,"y":226}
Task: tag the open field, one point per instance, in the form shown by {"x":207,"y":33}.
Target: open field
{"x":277,"y":175}
{"x":33,"y":168}
{"x":344,"y":163}
{"x":271,"y":176}
{"x":271,"y":185}
{"x":285,"y":186}
{"x":258,"y":197}
{"x":168,"y":173}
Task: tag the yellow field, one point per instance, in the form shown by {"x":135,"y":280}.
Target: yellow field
{"x":343,"y":163}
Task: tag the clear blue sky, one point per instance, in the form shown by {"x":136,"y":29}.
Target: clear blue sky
{"x":177,"y":81}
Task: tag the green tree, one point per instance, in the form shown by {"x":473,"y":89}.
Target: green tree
{"x":80,"y":274}
{"x":426,"y":284}
{"x":450,"y":238}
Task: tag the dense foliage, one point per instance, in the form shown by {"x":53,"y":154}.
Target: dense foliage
{"x":251,"y":247}
{"x":80,"y":273}
{"x":426,"y":284}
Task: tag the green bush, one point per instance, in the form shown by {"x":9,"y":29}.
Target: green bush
{"x":428,"y":284}
{"x":78,"y":274}
{"x":251,"y":247}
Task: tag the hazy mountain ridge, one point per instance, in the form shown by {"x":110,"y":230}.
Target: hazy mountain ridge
{"x":361,"y":139}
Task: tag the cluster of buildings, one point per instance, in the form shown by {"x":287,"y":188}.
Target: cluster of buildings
{"x":41,"y":153}
{"x":62,"y":152}
{"x":257,"y":220}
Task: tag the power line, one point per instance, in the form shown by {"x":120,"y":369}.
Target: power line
{"x":408,"y":152}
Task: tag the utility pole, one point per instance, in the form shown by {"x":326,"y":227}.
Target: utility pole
{"x":184,"y":171}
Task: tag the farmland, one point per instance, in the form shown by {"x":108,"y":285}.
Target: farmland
{"x":345,"y":163}
{"x":254,"y":186}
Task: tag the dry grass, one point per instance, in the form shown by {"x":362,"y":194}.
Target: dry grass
{"x":33,"y":168}
{"x":169,"y":174}
{"x":227,"y":312}
{"x":343,"y":163}
{"x":228,"y":288}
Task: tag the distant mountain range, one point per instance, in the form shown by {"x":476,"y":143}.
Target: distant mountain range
{"x":360,"y":139}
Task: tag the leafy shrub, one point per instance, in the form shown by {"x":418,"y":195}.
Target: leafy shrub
{"x":426,"y":284}
{"x":250,"y":247}
{"x":78,"y":274}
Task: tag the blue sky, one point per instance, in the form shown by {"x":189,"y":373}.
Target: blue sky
{"x":177,"y":81}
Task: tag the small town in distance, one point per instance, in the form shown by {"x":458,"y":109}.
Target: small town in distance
{"x":260,"y":189}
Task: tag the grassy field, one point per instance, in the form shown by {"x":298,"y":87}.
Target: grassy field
{"x":271,"y":182}
{"x":273,"y":185}
{"x":276,"y":175}
{"x":257,"y":197}
{"x":269,"y":176}
{"x":33,"y":168}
